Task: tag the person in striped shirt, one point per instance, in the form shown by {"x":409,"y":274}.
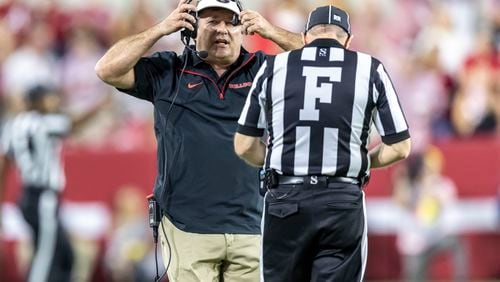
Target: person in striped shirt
{"x":33,"y":140}
{"x":318,"y":104}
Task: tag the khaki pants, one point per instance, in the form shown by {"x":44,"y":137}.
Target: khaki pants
{"x":209,"y":257}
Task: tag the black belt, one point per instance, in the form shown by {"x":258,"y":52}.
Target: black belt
{"x":312,"y":179}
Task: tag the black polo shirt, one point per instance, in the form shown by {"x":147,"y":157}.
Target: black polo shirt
{"x":201,"y":185}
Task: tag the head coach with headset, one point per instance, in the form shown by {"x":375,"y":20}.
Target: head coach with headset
{"x":208,"y":196}
{"x":318,"y":104}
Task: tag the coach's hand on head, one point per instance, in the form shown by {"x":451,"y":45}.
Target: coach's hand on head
{"x":252,"y":22}
{"x":179,"y":18}
{"x":116,"y":67}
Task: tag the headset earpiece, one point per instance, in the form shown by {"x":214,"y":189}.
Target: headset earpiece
{"x":235,"y":20}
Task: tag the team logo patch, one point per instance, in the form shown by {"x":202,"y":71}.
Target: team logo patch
{"x":240,"y":85}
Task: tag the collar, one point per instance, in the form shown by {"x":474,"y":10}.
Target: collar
{"x":325,"y":42}
{"x":244,"y":55}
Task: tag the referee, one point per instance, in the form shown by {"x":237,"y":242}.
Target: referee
{"x":318,"y":104}
{"x":33,"y":139}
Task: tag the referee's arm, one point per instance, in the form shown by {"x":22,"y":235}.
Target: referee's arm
{"x":250,"y":149}
{"x":390,"y":123}
{"x":247,"y":140}
{"x":384,"y":154}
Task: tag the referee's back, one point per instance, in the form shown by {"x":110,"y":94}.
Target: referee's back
{"x":319,"y":103}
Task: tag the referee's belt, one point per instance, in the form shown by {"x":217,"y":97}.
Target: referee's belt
{"x":313,"y":179}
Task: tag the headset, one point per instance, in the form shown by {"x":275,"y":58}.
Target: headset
{"x":187,"y":34}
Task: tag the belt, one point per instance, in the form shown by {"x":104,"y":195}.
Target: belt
{"x":313,"y":179}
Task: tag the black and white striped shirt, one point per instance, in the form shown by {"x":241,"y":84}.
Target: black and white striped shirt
{"x":33,"y":140}
{"x":318,"y":105}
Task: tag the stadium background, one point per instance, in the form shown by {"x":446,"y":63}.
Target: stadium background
{"x":443,"y":58}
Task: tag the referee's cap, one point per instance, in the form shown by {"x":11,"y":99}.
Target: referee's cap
{"x":329,"y":15}
{"x":37,"y":92}
{"x":231,"y":5}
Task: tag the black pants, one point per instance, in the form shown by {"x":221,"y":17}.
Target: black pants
{"x":314,"y":233}
{"x":52,"y":257}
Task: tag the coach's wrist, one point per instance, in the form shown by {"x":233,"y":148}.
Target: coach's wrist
{"x":162,"y":29}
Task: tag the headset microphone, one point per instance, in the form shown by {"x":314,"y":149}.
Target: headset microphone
{"x":186,"y":39}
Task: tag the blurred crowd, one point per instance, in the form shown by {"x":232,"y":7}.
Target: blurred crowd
{"x":443,"y":57}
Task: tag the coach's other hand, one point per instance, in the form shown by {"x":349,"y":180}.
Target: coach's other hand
{"x":253,"y":22}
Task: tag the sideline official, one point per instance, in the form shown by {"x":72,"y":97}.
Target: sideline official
{"x":318,"y":105}
{"x":32,"y":140}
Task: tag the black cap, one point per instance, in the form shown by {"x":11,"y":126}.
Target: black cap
{"x":329,"y":15}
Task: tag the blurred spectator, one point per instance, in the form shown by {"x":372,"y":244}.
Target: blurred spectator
{"x":449,"y":26}
{"x":7,"y":43}
{"x":290,"y":15}
{"x":425,"y":98}
{"x":81,"y":87}
{"x":16,"y":14}
{"x":476,"y":108}
{"x":130,"y":252}
{"x":123,"y":26}
{"x":33,"y":63}
{"x":426,"y":198}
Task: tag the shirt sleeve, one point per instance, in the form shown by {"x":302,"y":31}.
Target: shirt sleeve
{"x":57,"y":124}
{"x":151,"y":73}
{"x":252,"y":121}
{"x":389,"y":118}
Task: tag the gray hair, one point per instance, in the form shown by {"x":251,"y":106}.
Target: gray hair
{"x":328,"y":30}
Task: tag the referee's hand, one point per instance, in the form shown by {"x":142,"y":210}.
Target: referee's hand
{"x":179,"y":18}
{"x":253,"y":22}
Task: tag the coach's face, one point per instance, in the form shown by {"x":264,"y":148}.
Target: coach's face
{"x":218,"y":36}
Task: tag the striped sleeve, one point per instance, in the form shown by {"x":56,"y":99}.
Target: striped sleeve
{"x":389,"y":118}
{"x":252,"y":121}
